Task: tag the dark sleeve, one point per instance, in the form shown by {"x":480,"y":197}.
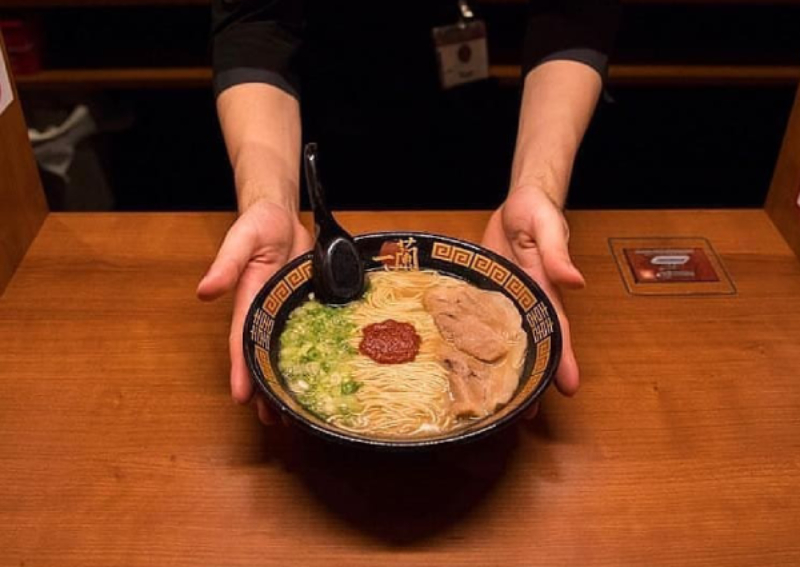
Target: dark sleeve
{"x":256,"y":41}
{"x":577,"y":30}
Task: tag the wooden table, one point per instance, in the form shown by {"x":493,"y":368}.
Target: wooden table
{"x":119,"y":444}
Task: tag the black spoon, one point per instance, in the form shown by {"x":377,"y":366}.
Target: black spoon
{"x":337,"y":266}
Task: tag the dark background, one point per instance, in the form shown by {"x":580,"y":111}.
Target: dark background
{"x":674,"y":144}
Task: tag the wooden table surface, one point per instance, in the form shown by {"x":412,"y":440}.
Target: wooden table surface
{"x":119,"y":444}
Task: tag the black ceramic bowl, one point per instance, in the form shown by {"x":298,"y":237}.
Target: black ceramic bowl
{"x":406,"y":250}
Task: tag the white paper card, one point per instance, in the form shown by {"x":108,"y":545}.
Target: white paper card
{"x":462,"y":53}
{"x":463,"y":63}
{"x":6,"y":93}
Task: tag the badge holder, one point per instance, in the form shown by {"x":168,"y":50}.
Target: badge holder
{"x":461,"y":50}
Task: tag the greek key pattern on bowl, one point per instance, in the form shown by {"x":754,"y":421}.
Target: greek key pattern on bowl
{"x":468,"y":259}
{"x":542,"y":356}
{"x":453,"y":254}
{"x":277,"y":296}
{"x":300,"y":275}
{"x":262,"y":356}
{"x":533,"y":381}
{"x":492,"y":270}
{"x":520,"y":292}
{"x":283,"y":289}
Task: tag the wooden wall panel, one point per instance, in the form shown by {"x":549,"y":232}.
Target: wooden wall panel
{"x":782,"y":199}
{"x":22,"y":203}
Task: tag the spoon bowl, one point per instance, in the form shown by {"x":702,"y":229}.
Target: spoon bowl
{"x":336,"y":264}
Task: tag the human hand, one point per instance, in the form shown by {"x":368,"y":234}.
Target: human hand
{"x":264,"y":238}
{"x":530,"y":230}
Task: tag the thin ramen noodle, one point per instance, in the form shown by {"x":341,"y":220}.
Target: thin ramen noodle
{"x":320,"y":358}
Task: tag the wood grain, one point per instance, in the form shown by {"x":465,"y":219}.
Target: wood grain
{"x":120,"y":445}
{"x":22,"y":203}
{"x":783,"y":199}
{"x":704,"y":74}
{"x":118,"y":78}
{"x":98,"y":3}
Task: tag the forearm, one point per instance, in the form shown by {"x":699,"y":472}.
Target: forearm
{"x":558,"y":100}
{"x":262,"y":130}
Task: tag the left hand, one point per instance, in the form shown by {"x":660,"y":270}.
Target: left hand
{"x":261,"y":241}
{"x":530,"y":230}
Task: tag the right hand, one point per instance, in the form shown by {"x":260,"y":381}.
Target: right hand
{"x":264,"y":238}
{"x":530,"y":230}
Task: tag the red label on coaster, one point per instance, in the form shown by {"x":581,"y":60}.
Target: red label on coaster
{"x":660,"y":265}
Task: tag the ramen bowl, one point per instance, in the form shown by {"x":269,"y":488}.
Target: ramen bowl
{"x":292,"y":286}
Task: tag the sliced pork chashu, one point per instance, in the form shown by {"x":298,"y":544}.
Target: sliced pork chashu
{"x":477,"y":322}
{"x":484,"y":343}
{"x":468,"y":377}
{"x":478,"y":388}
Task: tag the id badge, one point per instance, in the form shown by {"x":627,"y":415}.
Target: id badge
{"x":462,"y":53}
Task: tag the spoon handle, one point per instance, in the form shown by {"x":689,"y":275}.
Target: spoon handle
{"x":337,"y":266}
{"x":322,"y":216}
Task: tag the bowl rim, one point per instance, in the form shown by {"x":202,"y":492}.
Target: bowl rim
{"x":346,"y":438}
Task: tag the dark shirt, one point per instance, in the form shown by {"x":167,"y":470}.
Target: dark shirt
{"x":261,"y":40}
{"x":366,"y":73}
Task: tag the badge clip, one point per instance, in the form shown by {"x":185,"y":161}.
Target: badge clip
{"x":461,"y":49}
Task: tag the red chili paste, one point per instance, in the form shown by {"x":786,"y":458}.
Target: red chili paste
{"x":390,"y":342}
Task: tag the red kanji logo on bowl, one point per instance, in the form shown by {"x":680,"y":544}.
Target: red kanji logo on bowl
{"x":399,"y":254}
